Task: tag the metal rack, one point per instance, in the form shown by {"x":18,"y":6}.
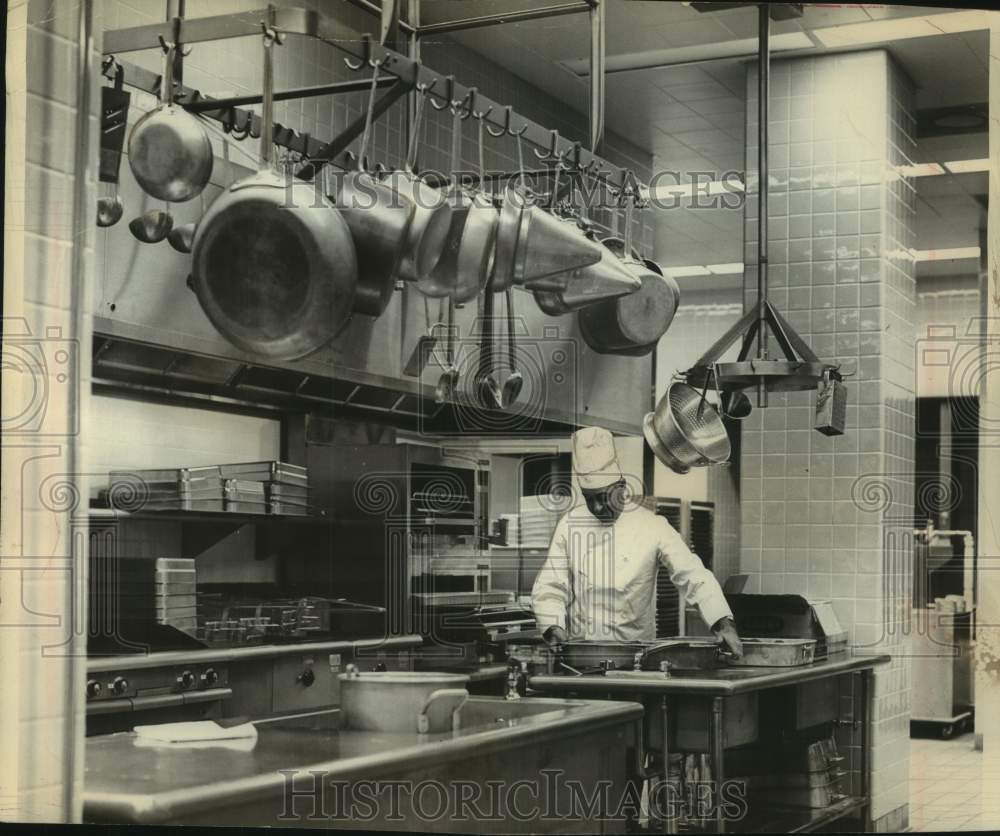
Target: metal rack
{"x":798,"y":367}
{"x":404,"y":74}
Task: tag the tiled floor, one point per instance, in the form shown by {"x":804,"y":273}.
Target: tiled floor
{"x":952,"y":786}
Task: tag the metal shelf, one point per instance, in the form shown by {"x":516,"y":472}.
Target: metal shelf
{"x":113,"y":515}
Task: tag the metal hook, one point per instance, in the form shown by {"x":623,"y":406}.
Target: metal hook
{"x":179,"y":49}
{"x":505,"y":130}
{"x":506,"y":124}
{"x":237,"y":133}
{"x":449,"y":93}
{"x":468,"y":104}
{"x":271,"y":33}
{"x":480,"y":115}
{"x":552,"y":154}
{"x":366,"y":54}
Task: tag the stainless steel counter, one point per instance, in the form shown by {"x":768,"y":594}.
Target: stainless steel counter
{"x":723,"y":682}
{"x":710,"y":707}
{"x":130,"y":781}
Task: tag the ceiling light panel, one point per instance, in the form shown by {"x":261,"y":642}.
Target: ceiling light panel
{"x":744,"y":47}
{"x":897,"y":29}
{"x":967,"y":166}
{"x":950,"y":254}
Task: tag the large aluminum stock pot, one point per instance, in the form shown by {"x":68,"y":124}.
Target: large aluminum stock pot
{"x":402,"y":701}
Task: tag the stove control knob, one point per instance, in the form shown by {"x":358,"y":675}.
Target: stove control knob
{"x":119,"y":686}
{"x":93,"y":688}
{"x":306,"y":678}
{"x":209,"y":677}
{"x":185,"y":680}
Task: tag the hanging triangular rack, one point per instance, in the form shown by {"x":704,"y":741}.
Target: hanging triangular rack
{"x":798,"y":368}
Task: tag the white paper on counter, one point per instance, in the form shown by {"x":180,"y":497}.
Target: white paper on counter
{"x":195,"y":731}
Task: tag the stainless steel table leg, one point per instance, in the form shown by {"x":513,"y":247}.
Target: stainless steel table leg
{"x":669,"y":823}
{"x":716,"y":744}
{"x":867,"y":712}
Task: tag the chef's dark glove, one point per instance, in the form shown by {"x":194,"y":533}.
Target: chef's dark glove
{"x":555,"y":636}
{"x":725,"y":630}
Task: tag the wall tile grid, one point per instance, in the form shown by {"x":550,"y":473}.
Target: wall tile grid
{"x":827,"y":517}
{"x":40,"y":735}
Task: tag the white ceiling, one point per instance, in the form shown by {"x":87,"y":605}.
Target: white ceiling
{"x":691,"y":117}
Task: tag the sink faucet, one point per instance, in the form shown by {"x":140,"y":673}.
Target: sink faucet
{"x":514,"y":674}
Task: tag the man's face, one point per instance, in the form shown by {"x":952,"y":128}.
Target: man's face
{"x":607,"y":503}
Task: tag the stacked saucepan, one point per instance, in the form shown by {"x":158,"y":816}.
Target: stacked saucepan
{"x":280,"y":271}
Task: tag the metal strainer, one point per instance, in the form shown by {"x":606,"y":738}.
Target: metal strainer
{"x":685,"y":431}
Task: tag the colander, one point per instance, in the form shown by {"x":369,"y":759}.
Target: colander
{"x":685,"y":431}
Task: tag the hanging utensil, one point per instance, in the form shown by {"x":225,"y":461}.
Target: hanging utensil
{"x":432,"y":215}
{"x":169,"y":151}
{"x":515,"y":200}
{"x":379,"y":219}
{"x":181,"y":238}
{"x":152,"y":226}
{"x":448,"y":381}
{"x":607,"y":279}
{"x":110,"y":209}
{"x":488,"y":392}
{"x":631,"y":325}
{"x":425,"y":346}
{"x":512,"y":385}
{"x":274,"y":272}
{"x":114,"y":119}
{"x":441,"y":280}
{"x":686,"y":431}
{"x":467,"y":258}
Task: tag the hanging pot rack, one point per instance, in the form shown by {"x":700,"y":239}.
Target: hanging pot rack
{"x":795,"y":367}
{"x":403,"y":75}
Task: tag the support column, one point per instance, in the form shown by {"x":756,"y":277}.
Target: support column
{"x":987,"y":656}
{"x":829,"y":518}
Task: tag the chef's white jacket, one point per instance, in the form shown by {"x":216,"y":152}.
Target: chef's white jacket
{"x":599,"y":581}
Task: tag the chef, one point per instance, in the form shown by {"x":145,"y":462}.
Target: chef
{"x":599,"y":580}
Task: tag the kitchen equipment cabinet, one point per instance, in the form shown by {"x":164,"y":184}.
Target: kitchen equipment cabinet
{"x":942,"y":675}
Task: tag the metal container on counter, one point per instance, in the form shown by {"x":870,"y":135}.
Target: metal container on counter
{"x":401,"y":701}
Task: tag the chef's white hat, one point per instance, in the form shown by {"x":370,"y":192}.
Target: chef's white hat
{"x":594,"y":458}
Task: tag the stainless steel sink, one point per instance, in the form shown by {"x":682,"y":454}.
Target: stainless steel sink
{"x":478,"y":714}
{"x":499,"y":713}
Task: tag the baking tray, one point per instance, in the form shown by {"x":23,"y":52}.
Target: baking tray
{"x":236,"y":506}
{"x":245,"y":489}
{"x":185,"y":505}
{"x":775,"y":653}
{"x":169,"y":475}
{"x":288,"y":509}
{"x":268,"y":471}
{"x":290,"y":493}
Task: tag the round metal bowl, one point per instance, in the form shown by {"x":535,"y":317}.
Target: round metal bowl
{"x":591,"y":654}
{"x":684,"y":431}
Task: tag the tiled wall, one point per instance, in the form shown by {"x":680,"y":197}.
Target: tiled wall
{"x":827,"y":517}
{"x":41,"y":709}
